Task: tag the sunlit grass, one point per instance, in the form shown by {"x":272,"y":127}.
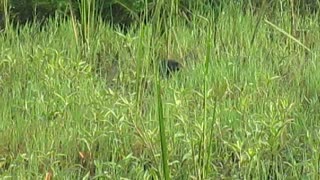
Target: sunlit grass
{"x":237,"y":110}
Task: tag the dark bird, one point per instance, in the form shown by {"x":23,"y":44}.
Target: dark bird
{"x":169,"y":66}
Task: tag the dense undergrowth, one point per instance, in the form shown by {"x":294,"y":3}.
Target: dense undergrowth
{"x":245,"y":105}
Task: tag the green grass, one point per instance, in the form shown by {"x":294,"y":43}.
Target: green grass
{"x":238,"y":109}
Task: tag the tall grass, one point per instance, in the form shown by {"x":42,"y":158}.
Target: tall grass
{"x":239,"y":109}
{"x":5,"y":6}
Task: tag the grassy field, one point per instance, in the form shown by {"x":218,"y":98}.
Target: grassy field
{"x":245,"y":105}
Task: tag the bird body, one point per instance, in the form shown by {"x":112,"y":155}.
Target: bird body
{"x":169,"y":66}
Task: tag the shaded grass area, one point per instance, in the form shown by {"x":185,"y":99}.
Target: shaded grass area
{"x":96,"y":116}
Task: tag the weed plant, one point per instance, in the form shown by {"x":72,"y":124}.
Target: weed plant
{"x":244,"y":106}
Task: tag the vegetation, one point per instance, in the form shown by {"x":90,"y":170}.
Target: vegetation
{"x":82,"y":98}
